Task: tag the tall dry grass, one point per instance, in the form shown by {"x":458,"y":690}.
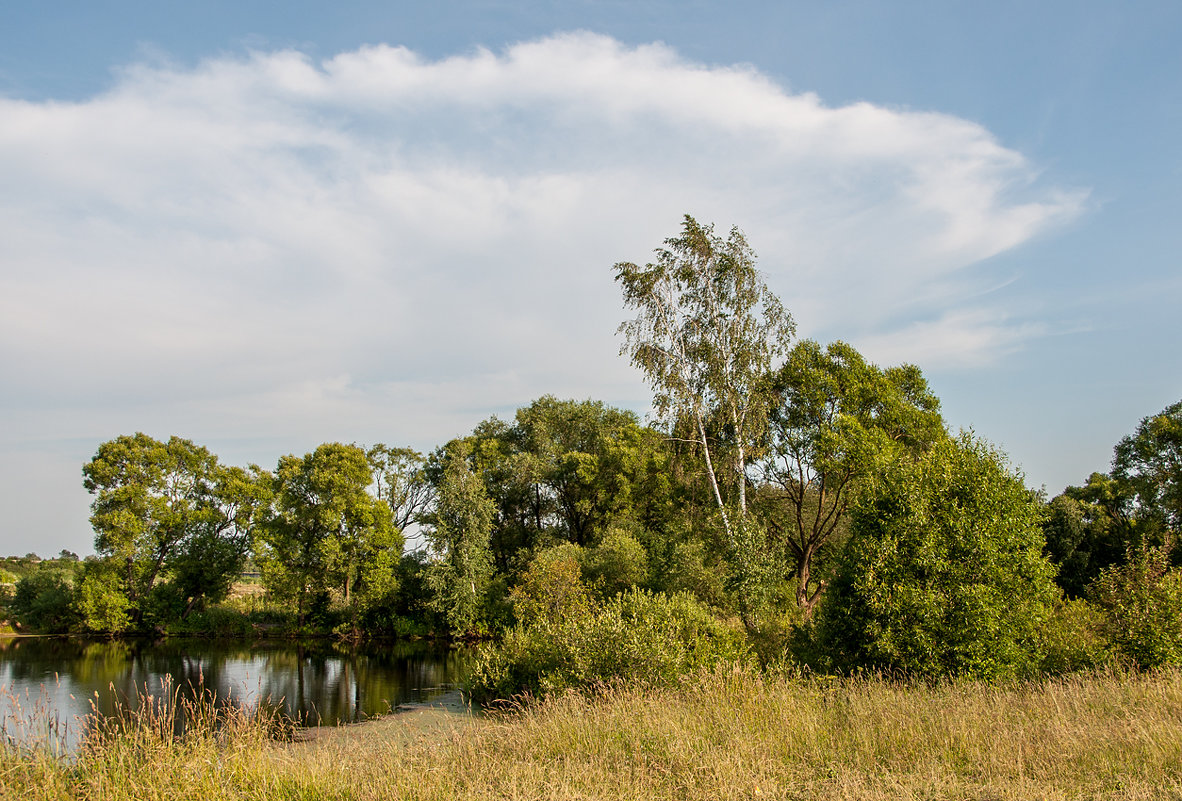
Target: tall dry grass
{"x":723,"y":736}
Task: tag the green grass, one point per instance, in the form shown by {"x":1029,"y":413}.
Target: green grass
{"x":728,"y":735}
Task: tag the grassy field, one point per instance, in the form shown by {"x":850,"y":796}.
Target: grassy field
{"x":724,"y":736}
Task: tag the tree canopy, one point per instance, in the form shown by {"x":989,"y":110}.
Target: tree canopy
{"x":944,"y":572}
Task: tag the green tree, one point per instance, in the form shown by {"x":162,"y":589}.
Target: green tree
{"x":838,"y":422}
{"x":458,"y":532}
{"x":1088,"y":529}
{"x":101,"y":597}
{"x":567,"y":470}
{"x":944,"y":572}
{"x":43,"y":600}
{"x":1149,"y":461}
{"x":326,"y":531}
{"x":1142,"y":602}
{"x":707,"y":333}
{"x":401,"y":481}
{"x":167,"y":509}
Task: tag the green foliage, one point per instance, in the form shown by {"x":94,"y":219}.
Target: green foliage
{"x":944,"y":573}
{"x":217,"y":621}
{"x":101,"y":599}
{"x":687,"y":571}
{"x":43,"y":601}
{"x":551,"y":590}
{"x":401,"y":481}
{"x":1142,"y":602}
{"x":616,"y":564}
{"x":459,"y":535}
{"x":168,"y":510}
{"x":1073,"y":638}
{"x":1149,"y":461}
{"x":838,"y":423}
{"x":566,"y":470}
{"x":1088,"y":529}
{"x":708,"y":330}
{"x":326,"y":531}
{"x":637,"y":637}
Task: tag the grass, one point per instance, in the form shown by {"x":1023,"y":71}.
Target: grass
{"x":723,"y":736}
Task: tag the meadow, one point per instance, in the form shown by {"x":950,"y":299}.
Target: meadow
{"x":729,"y":734}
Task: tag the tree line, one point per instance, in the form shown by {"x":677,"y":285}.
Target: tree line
{"x":815,"y":498}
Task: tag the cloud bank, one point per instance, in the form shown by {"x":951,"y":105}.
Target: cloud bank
{"x":381,"y":246}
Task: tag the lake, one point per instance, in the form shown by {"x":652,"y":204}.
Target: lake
{"x":61,"y":680}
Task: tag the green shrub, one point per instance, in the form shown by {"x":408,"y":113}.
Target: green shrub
{"x":214,"y":621}
{"x":43,"y":601}
{"x":687,"y":571}
{"x":944,"y":572}
{"x":1073,"y":638}
{"x":551,"y":590}
{"x":617,"y":563}
{"x":101,"y":599}
{"x":637,"y":637}
{"x":1142,"y":604}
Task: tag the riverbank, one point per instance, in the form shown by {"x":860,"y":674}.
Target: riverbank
{"x":725,"y":736}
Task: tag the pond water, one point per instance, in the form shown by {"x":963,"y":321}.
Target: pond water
{"x":52,"y":684}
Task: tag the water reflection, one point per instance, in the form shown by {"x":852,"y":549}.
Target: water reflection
{"x":315,"y":683}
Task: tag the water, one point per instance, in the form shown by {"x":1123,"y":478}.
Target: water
{"x":57,"y":682}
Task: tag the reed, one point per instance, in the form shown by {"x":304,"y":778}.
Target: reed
{"x":723,"y":735}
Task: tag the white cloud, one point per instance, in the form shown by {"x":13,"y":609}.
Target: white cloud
{"x":389,"y":245}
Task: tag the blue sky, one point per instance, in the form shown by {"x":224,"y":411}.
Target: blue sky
{"x":267,"y":225}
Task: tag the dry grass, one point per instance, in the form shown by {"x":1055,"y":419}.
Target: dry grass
{"x":726,"y":736}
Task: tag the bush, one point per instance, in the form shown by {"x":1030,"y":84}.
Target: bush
{"x":1073,"y":638}
{"x":944,"y":572}
{"x":617,"y":563}
{"x":214,"y":621}
{"x":101,"y":599}
{"x":43,"y":601}
{"x":551,"y":590}
{"x":1142,"y":604}
{"x":687,"y":571}
{"x":637,"y":637}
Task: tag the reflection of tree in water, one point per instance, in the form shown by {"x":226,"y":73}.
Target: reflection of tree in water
{"x":312,"y":682}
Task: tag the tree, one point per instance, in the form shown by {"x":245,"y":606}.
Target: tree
{"x":101,"y":599}
{"x":400,"y":481}
{"x":43,"y":600}
{"x":163,"y":509}
{"x":1089,"y":529}
{"x":459,"y":535}
{"x":837,"y":423}
{"x":326,"y":530}
{"x":708,"y":331}
{"x":566,"y":470}
{"x":207,"y":568}
{"x":1149,"y":461}
{"x":944,"y":572}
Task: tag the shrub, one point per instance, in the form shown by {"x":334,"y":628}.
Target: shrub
{"x":214,"y":621}
{"x":551,"y":590}
{"x":43,"y":600}
{"x":1073,"y":637}
{"x":944,"y":572}
{"x":101,"y":600}
{"x":637,"y":637}
{"x":1142,"y":604}
{"x":617,"y":563}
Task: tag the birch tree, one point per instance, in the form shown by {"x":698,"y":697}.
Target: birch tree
{"x":707,"y":332}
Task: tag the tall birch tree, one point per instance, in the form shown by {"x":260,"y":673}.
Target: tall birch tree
{"x":707,"y":333}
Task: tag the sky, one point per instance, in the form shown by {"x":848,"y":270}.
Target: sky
{"x":262,"y":226}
